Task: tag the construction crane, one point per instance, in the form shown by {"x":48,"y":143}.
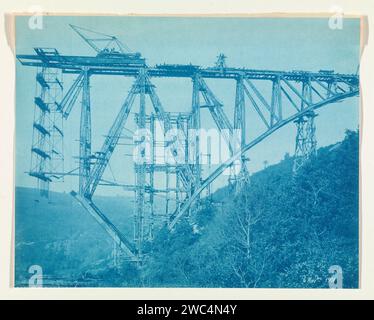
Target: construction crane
{"x":105,"y":45}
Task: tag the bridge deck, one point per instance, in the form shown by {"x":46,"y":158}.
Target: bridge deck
{"x":129,"y":67}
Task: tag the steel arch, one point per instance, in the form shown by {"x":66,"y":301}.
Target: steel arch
{"x":178,"y":214}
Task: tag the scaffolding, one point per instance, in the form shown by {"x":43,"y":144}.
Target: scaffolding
{"x":47,"y":150}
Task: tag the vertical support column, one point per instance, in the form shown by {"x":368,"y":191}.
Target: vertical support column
{"x":276,"y":102}
{"x":311,"y":141}
{"x":41,"y":142}
{"x":167,"y":190}
{"x":151,"y":206}
{"x":140,"y":173}
{"x":116,"y":255}
{"x":177,"y":191}
{"x":85,"y":133}
{"x":57,"y":122}
{"x":239,"y":124}
{"x":306,"y":142}
{"x":239,"y":113}
{"x":196,"y":124}
{"x":44,"y":164}
{"x":151,"y":177}
{"x":180,"y":126}
{"x":208,"y":188}
{"x":300,"y":144}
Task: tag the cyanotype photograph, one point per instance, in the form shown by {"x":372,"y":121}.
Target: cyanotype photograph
{"x":187,"y":151}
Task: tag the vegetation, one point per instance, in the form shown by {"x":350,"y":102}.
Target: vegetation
{"x":280,"y":230}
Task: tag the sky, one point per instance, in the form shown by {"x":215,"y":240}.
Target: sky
{"x":258,"y":43}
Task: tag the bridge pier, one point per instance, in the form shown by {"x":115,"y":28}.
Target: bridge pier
{"x":85,"y":133}
{"x":241,"y":177}
{"x":306,"y":143}
{"x":196,"y":125}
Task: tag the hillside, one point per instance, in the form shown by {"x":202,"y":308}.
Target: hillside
{"x":60,"y":236}
{"x":281,"y":230}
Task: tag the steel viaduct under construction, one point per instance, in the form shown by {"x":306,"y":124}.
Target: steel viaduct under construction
{"x":293,"y":98}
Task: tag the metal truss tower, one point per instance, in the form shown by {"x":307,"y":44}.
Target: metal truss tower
{"x":85,"y":132}
{"x":194,"y":141}
{"x":240,"y":176}
{"x":47,"y":139}
{"x":142,"y":89}
{"x":306,"y":143}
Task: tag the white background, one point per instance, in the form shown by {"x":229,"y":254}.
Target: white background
{"x":7,"y":61}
